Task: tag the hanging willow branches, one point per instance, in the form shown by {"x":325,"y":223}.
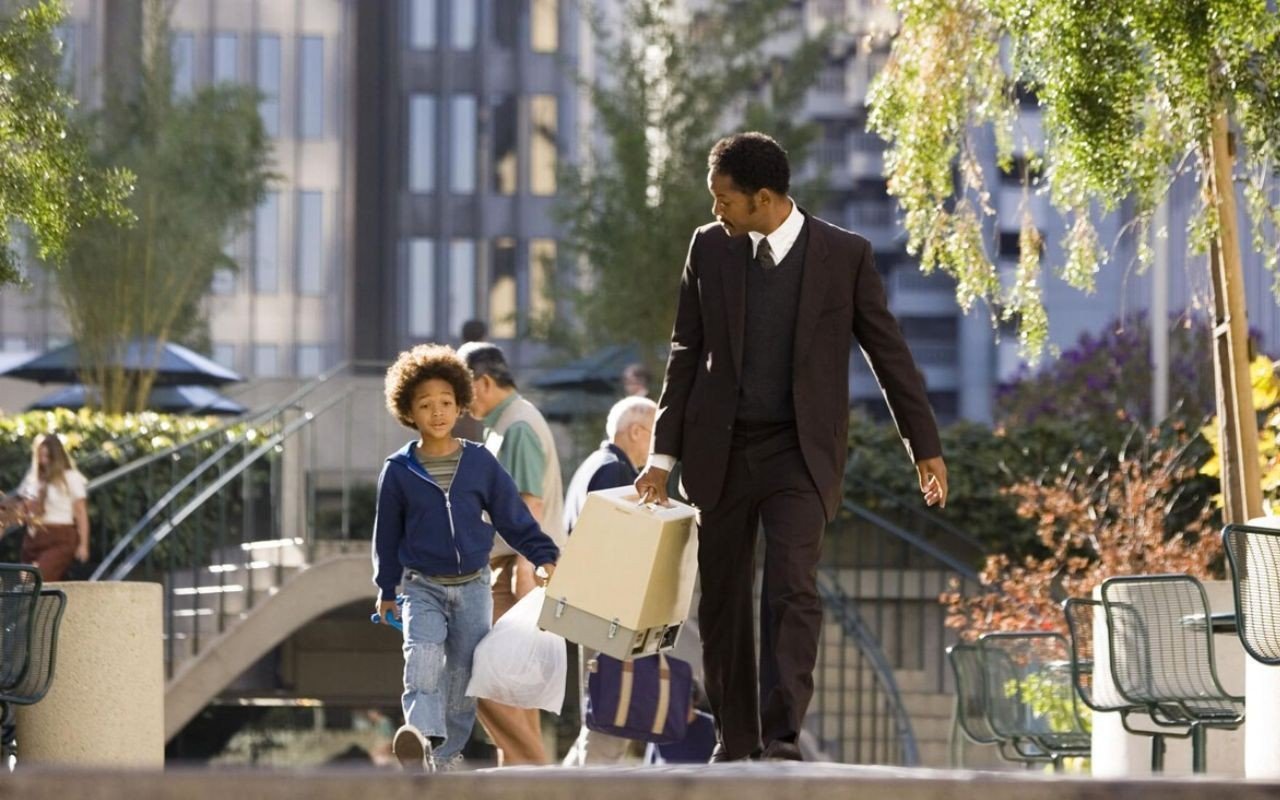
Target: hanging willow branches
{"x":1127,"y":90}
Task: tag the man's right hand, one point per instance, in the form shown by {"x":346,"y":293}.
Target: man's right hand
{"x":652,"y":486}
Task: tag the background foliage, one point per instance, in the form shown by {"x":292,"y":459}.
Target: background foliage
{"x":1128,"y":92}
{"x":1106,"y":380}
{"x":47,"y":183}
{"x":201,"y":163}
{"x":668,"y":87}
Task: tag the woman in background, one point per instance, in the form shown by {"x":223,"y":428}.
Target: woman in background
{"x":57,"y":500}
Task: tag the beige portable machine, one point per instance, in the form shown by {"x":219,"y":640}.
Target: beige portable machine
{"x":625,"y":577}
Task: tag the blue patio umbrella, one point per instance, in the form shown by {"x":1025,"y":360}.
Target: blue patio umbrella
{"x":195,"y":400}
{"x":173,"y":364}
{"x":600,"y":371}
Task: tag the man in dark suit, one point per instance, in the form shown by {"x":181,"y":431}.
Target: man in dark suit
{"x":756,"y":406}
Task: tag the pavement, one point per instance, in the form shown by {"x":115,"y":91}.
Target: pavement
{"x":753,"y":781}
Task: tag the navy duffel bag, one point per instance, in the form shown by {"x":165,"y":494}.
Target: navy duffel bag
{"x":646,"y":698}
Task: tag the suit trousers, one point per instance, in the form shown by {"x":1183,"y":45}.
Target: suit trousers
{"x":767,"y":486}
{"x":516,"y":732}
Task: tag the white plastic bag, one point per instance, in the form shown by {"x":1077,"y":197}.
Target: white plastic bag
{"x":518,"y":664}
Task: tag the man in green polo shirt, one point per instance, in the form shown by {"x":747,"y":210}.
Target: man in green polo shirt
{"x":518,"y":435}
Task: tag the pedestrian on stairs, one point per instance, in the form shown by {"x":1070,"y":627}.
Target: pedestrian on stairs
{"x":431,"y":540}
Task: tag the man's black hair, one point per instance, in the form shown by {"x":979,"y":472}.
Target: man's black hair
{"x":484,"y":358}
{"x":753,"y":160}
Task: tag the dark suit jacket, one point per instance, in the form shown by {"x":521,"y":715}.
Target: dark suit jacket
{"x":840,"y":293}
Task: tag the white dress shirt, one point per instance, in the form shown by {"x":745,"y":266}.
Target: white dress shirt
{"x":780,"y":242}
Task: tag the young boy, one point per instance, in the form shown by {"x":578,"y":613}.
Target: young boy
{"x":431,"y":539}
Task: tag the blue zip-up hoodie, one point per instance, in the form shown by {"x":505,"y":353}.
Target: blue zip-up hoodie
{"x":421,"y":527}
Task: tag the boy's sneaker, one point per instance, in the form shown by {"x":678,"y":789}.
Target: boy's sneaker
{"x":453,"y":763}
{"x":412,"y":749}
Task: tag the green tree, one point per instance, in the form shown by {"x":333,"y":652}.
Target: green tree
{"x":47,"y":184}
{"x":1132,"y":94}
{"x":202,"y":164}
{"x":668,"y":87}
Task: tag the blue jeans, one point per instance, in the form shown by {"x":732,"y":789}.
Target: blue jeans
{"x":442,"y":626}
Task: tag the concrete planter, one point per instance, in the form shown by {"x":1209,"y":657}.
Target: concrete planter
{"x":106,"y":704}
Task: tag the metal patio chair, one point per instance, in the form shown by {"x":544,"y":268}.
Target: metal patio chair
{"x":1254,"y":555}
{"x":1162,"y":658}
{"x":1030,"y":693}
{"x":1103,"y":695}
{"x":971,"y":714}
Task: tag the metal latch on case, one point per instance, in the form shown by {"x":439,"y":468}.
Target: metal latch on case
{"x":613,"y":628}
{"x":560,"y":608}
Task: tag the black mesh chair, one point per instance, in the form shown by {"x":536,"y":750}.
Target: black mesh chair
{"x":1103,"y":695}
{"x":19,"y":588}
{"x":971,"y":710}
{"x":1030,"y":693}
{"x":42,"y":650}
{"x":1161,"y":641}
{"x":1254,"y":555}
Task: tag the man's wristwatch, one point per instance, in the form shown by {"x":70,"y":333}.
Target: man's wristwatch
{"x":542,"y":575}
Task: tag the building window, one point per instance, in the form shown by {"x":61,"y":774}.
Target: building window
{"x":224,"y":282}
{"x":182,"y":58}
{"x":831,"y":78}
{"x":422,"y":287}
{"x":226,"y":58}
{"x":266,"y":360}
{"x":542,"y":271}
{"x":310,"y":358}
{"x":463,"y":144}
{"x":310,"y":243}
{"x":224,"y":354}
{"x":506,"y":159}
{"x":422,"y":143}
{"x":15,"y":343}
{"x":269,"y":83}
{"x":1021,"y":170}
{"x":544,"y":25}
{"x":929,"y":329}
{"x":311,"y":87}
{"x":266,"y":245}
{"x":66,"y":36}
{"x":503,"y":290}
{"x":832,"y":148}
{"x":462,"y":282}
{"x":543,"y":161}
{"x":506,"y":23}
{"x":422,"y":24}
{"x":464,"y":24}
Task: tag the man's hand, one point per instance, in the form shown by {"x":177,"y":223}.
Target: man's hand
{"x":652,"y":486}
{"x":544,"y":573}
{"x":388,"y":605}
{"x":933,"y":481}
{"x":82,"y":552}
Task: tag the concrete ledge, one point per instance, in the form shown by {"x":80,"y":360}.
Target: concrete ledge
{"x":739,"y":782}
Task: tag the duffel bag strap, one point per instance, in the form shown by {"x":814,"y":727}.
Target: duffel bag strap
{"x":664,"y":696}
{"x":624,"y":695}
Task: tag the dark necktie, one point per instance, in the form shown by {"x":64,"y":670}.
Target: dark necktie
{"x":764,"y":255}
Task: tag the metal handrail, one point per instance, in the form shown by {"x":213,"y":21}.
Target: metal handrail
{"x":913,"y":539}
{"x":291,"y":400}
{"x":159,"y":534}
{"x":912,"y":506}
{"x":852,"y":624}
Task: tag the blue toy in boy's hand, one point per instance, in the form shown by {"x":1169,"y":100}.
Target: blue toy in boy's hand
{"x":390,"y":619}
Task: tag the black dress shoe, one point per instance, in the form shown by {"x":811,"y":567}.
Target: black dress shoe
{"x":721,"y":756}
{"x":779,"y":750}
